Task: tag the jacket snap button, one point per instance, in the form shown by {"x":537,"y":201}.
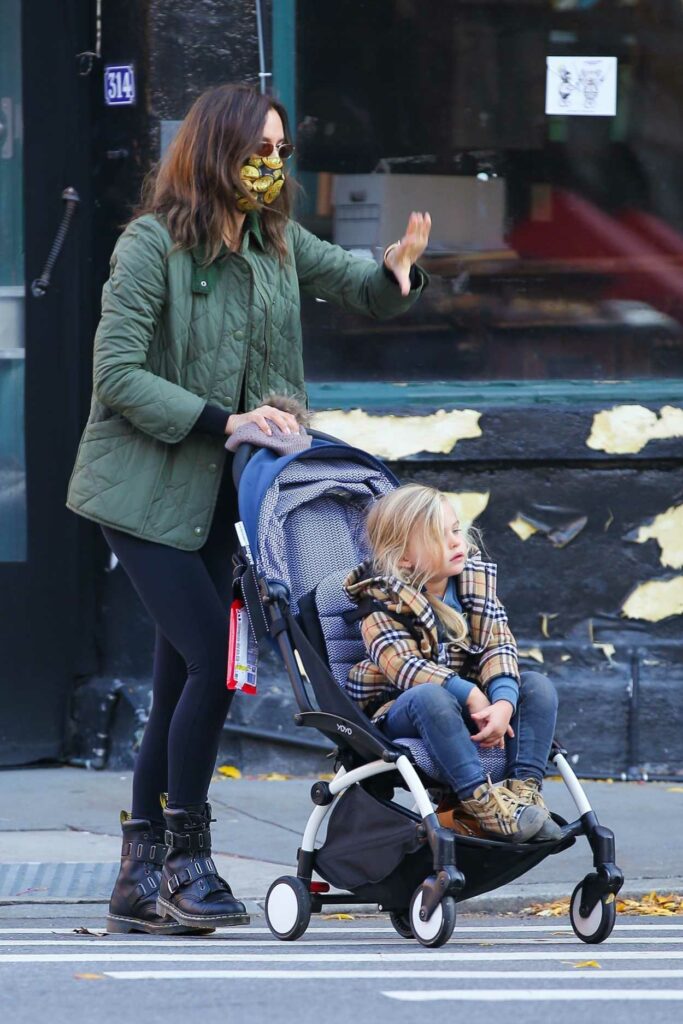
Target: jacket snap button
{"x":239,"y":335}
{"x":213,"y":467}
{"x":203,"y":284}
{"x":171,"y":430}
{"x":198,"y":530}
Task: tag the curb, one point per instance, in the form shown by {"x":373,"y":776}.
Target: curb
{"x":488,"y":903}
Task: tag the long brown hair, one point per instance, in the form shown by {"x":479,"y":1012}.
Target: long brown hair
{"x":195,"y":185}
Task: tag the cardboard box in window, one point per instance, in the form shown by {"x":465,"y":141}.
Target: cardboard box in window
{"x":372,"y":210}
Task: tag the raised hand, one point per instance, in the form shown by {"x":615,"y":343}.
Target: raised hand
{"x":400,"y":258}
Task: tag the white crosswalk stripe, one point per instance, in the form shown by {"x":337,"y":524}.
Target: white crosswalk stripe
{"x":298,"y":955}
{"x":531,"y":995}
{"x":501,"y":962}
{"x":402,"y":975}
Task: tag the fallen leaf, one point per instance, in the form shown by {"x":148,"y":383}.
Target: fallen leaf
{"x":588,"y":963}
{"x":674,"y":789}
{"x":337,"y":917}
{"x":89,"y":977}
{"x":653,"y":904}
{"x":86,"y":931}
{"x":229,"y":771}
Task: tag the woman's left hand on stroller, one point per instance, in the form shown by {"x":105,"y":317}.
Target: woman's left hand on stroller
{"x":284,"y":420}
{"x":400,"y":256}
{"x":494,"y":723}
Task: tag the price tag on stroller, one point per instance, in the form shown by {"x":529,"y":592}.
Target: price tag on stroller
{"x":242,"y":650}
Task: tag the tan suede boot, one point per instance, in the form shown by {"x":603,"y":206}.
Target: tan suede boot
{"x":452,"y":814}
{"x":502,"y":815}
{"x":529,"y":792}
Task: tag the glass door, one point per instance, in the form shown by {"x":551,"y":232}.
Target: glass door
{"x":12,"y":362}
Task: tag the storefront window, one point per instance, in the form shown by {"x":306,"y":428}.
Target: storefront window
{"x":557,"y":243}
{"x":12,"y":463}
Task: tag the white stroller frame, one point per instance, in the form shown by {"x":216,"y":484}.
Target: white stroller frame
{"x":591,"y":926}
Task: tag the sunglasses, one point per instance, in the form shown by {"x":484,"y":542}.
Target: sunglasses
{"x":284,"y":150}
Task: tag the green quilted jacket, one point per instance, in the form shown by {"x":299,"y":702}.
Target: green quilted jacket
{"x":175,"y":335}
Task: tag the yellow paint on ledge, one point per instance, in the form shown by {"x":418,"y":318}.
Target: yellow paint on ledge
{"x":469,"y":505}
{"x":535,"y":653}
{"x":522,"y":527}
{"x":395,"y":437}
{"x":655,"y":600}
{"x":667,"y":530}
{"x":626,"y":429}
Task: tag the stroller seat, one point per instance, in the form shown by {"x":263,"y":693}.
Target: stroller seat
{"x":344,"y":647}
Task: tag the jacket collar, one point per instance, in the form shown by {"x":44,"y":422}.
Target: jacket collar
{"x":252,"y":229}
{"x":476,"y":588}
{"x":395,"y":594}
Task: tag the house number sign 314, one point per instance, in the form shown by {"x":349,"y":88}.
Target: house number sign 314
{"x":119,"y":85}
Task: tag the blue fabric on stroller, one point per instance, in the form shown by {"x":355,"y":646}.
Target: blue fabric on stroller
{"x":305,"y":518}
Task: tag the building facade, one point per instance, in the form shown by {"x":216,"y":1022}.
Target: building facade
{"x":539,"y":380}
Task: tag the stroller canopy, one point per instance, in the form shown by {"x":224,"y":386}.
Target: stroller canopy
{"x":304,"y":514}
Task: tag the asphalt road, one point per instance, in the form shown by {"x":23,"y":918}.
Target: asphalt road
{"x":341,"y":970}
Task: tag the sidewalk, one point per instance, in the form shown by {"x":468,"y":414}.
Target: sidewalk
{"x":59,"y":838}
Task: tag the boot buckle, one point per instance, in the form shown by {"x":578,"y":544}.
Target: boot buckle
{"x":173,"y":884}
{"x":168,"y":838}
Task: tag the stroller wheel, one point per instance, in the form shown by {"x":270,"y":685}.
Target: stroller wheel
{"x":401,"y":922}
{"x":288,"y":908}
{"x":439,"y":928}
{"x":599,"y":923}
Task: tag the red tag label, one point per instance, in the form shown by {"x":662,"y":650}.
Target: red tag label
{"x":242,"y":651}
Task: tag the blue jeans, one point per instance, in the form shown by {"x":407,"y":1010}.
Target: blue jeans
{"x":433,"y":714}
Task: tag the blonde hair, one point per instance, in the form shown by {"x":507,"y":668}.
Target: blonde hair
{"x":413,"y":511}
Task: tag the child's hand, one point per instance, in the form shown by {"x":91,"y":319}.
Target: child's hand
{"x":494,"y":723}
{"x":477,"y":701}
{"x":400,"y":257}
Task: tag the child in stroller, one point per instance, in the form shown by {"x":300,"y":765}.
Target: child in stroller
{"x":430,"y":610}
{"x":303,"y":527}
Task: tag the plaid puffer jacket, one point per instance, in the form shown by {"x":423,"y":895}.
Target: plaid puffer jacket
{"x":406,"y":651}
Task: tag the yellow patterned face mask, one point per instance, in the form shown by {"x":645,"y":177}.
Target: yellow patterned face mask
{"x":263,"y":177}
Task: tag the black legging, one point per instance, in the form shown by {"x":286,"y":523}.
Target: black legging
{"x":187,"y":594}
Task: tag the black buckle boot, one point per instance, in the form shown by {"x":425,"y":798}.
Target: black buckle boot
{"x":133,"y":904}
{"x":191,"y":891}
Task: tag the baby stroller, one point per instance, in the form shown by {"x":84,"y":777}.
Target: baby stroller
{"x":302,"y":531}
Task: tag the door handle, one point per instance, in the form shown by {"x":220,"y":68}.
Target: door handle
{"x":42,"y":283}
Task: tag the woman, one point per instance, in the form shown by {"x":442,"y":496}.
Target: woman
{"x":200,"y":319}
